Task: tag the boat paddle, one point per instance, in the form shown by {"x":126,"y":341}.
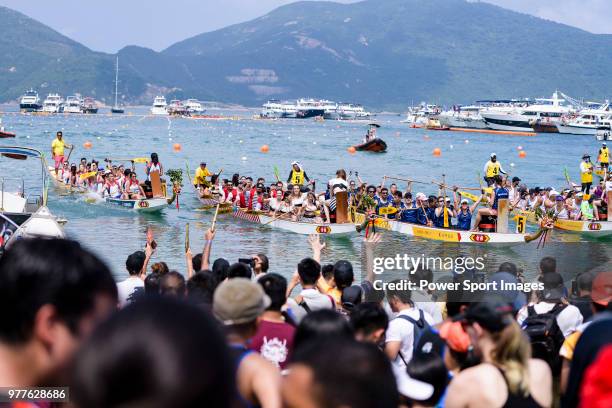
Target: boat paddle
{"x":278,"y":217}
{"x":214,"y":221}
{"x":187,"y":246}
{"x":69,"y":153}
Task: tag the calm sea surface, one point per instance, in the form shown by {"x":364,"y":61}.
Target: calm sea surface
{"x":322,"y":149}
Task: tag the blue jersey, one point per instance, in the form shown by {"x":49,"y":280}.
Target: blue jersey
{"x":439,"y":222}
{"x":421,"y":218}
{"x":410,"y":215}
{"x":464,"y":221}
{"x":500,"y":194}
{"x":431,"y":214}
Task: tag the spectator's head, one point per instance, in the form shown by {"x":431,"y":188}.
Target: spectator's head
{"x":369,"y":321}
{"x":548,"y":264}
{"x":460,"y":351}
{"x":554,"y":289}
{"x":601,"y":292}
{"x":196,"y":262}
{"x":309,"y":271}
{"x":172,"y":284}
{"x":160,"y":268}
{"x":201,"y":287}
{"x":219,"y":269}
{"x":321,"y":324}
{"x":239,"y":270}
{"x":343,"y":274}
{"x":262,"y":264}
{"x":359,"y":377}
{"x":237,"y":304}
{"x":327,"y":271}
{"x":397,"y":296}
{"x":351,"y":297}
{"x":275,"y":286}
{"x":50,"y":303}
{"x":151,"y":284}
{"x":584,"y":284}
{"x":430,"y":370}
{"x":135,"y":262}
{"x":157,"y":353}
{"x":421,"y":274}
{"x":508,"y":267}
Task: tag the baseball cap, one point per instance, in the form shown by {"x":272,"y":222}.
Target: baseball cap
{"x":493,"y":155}
{"x":456,"y":338}
{"x":601,"y":292}
{"x":559,"y":198}
{"x":493,"y":315}
{"x":584,"y":156}
{"x":515,"y":179}
{"x":203,"y":164}
{"x":464,"y":201}
{"x":238,"y":301}
{"x":553,"y":192}
{"x":580,"y":194}
{"x":553,"y":286}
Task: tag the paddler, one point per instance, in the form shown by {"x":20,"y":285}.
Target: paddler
{"x":464,"y":212}
{"x":200,"y":176}
{"x":499,"y":192}
{"x":297,"y":175}
{"x":57,"y":150}
{"x":444,"y":213}
{"x":154,"y":166}
{"x":492,"y":169}
{"x":604,"y":157}
{"x":588,"y":211}
{"x":586,"y":173}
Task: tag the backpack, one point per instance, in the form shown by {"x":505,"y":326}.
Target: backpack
{"x":419,"y":327}
{"x":545,"y":335}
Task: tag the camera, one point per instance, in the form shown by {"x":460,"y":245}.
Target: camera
{"x":247,"y":261}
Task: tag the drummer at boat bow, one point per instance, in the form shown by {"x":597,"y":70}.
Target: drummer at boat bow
{"x":297,"y":175}
{"x":491,"y":169}
{"x":200,"y":176}
{"x":57,"y":150}
{"x":154,"y":166}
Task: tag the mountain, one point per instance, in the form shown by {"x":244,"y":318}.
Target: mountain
{"x":383,"y":53}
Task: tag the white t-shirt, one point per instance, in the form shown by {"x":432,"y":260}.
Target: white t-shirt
{"x":422,"y":300}
{"x":403,"y":331}
{"x":568,"y":320}
{"x":128,"y":288}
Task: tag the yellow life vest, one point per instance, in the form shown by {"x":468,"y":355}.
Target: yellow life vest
{"x":587,"y":177}
{"x":604,"y":156}
{"x":297,"y":177}
{"x":493,"y":169}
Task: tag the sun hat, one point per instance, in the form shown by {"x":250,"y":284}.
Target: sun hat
{"x":239,"y":300}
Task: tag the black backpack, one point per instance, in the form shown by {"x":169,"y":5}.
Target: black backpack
{"x":419,"y":327}
{"x":545,"y":335}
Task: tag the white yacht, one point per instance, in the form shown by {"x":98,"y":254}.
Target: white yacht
{"x":350,"y":111}
{"x":463,"y":117}
{"x":176,"y":108}
{"x":30,"y":102}
{"x":587,"y":122}
{"x":53,"y":103}
{"x":73,"y":104}
{"x":272,"y":109}
{"x":418,"y":116}
{"x":159,"y":106}
{"x":193,"y":106}
{"x":522,"y":118}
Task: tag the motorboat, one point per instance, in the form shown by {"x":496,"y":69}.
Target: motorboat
{"x":418,"y":116}
{"x":587,"y":122}
{"x":193,"y":107}
{"x":73,"y":104}
{"x":30,"y":102}
{"x":521,"y":119}
{"x":176,"y":108}
{"x":53,"y":103}
{"x":350,"y":111}
{"x":89,"y":106}
{"x":159,"y":106}
{"x":24,"y":212}
{"x":463,"y":117}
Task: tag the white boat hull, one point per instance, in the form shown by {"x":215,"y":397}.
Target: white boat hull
{"x":462,"y":122}
{"x":577,"y":130}
{"x":149,"y":205}
{"x":159,"y":111}
{"x":303,"y":228}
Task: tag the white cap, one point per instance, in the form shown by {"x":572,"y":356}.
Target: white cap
{"x":553,"y":192}
{"x":493,"y":155}
{"x":579,"y":194}
{"x":411,"y":388}
{"x":421,"y":196}
{"x":464,"y":201}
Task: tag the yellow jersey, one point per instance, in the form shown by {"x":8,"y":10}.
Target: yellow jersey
{"x":586,"y":172}
{"x":200,"y":175}
{"x":492,"y":169}
{"x":297,"y":177}
{"x":604,"y":155}
{"x":57,"y":146}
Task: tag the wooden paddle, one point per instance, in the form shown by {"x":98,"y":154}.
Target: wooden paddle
{"x":214,"y":222}
{"x":135,"y":160}
{"x":69,"y":153}
{"x":278,"y":218}
{"x":88,"y":175}
{"x":187,"y":246}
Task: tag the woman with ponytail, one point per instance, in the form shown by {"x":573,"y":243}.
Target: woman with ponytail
{"x":507,"y":375}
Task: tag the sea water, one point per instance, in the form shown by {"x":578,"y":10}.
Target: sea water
{"x":321,"y":147}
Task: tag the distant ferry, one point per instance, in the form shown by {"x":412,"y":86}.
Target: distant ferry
{"x":159,"y":106}
{"x":53,"y":103}
{"x":30,"y":102}
{"x":313,"y":108}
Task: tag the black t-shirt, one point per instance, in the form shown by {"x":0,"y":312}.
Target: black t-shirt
{"x":596,"y":336}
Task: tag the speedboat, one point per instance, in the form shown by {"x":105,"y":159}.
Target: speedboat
{"x":176,"y":108}
{"x":73,"y":104}
{"x":418,"y":116}
{"x":193,"y":106}
{"x":159,"y":106}
{"x":53,"y":103}
{"x":30,"y":102}
{"x":350,"y":111}
{"x":521,"y":119}
{"x":23,"y":213}
{"x":89,"y":106}
{"x":587,"y":121}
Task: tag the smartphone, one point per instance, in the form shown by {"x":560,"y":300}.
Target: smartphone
{"x":247,"y":261}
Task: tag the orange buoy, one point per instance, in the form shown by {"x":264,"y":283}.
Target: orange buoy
{"x":437,"y":152}
{"x":177,"y":147}
{"x":87,"y":145}
{"x":264,"y":149}
{"x":351,"y":149}
{"x":522,"y":154}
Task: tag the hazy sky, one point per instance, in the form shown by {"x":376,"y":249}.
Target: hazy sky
{"x":109,"y":25}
